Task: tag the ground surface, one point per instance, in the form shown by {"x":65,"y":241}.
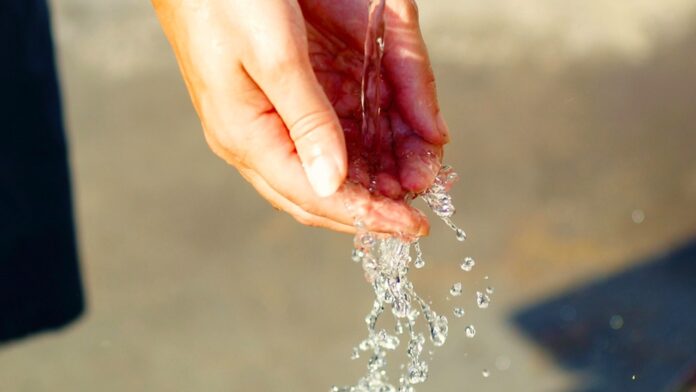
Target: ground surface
{"x":573,"y":130}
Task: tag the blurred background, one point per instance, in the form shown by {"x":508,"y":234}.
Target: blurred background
{"x":574,"y":132}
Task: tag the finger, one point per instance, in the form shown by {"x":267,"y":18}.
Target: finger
{"x":387,"y":172}
{"x":281,"y":202}
{"x":278,"y":62}
{"x":410,"y":73}
{"x":268,"y":150}
{"x":283,"y":172}
{"x":265,"y":147}
{"x":419,"y":160}
{"x":352,"y":201}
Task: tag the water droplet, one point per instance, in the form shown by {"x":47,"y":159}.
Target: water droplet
{"x":438,"y":200}
{"x":482,"y":300}
{"x":398,"y":328}
{"x":356,"y":354}
{"x":420,"y":261}
{"x":418,"y":372}
{"x":456,"y":289}
{"x":616,"y":322}
{"x":369,"y":264}
{"x":367,"y":240}
{"x":638,"y":216}
{"x":380,"y":43}
{"x":438,"y":331}
{"x":633,"y":377}
{"x":357,"y":255}
{"x":415,"y":347}
{"x":385,"y":340}
{"x":376,"y":362}
{"x":485,"y":373}
{"x":458,"y":312}
{"x":470,"y":331}
{"x":468,"y":264}
{"x":461,"y":235}
{"x":489,"y":290}
{"x":372,"y":187}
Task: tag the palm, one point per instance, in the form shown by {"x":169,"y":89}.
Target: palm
{"x":335,"y":31}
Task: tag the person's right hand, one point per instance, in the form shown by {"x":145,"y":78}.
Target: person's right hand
{"x":276,"y":83}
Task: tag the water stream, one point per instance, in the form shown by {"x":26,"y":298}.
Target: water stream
{"x":386,"y":260}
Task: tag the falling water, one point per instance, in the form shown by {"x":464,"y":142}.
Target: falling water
{"x":370,"y":96}
{"x":386,"y":259}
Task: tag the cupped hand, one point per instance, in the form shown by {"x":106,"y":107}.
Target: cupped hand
{"x":276,"y":84}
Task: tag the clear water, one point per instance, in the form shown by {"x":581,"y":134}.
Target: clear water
{"x":456,"y":289}
{"x":470,"y":331}
{"x":468,"y":264}
{"x":482,"y":300}
{"x":386,"y":259}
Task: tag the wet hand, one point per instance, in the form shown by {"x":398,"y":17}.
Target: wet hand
{"x":276,"y":85}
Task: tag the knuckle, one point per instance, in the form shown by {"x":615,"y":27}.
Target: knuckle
{"x":242,"y":159}
{"x":305,"y":128}
{"x":304,"y":218}
{"x":306,"y":206}
{"x":302,"y":211}
{"x":279,"y":61}
{"x":235,"y":154}
{"x":284,"y":60}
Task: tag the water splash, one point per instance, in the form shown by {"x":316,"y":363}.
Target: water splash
{"x":386,"y":259}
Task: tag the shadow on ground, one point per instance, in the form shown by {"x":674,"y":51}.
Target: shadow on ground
{"x":640,"y":323}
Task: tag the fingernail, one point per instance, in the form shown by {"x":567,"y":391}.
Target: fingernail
{"x":442,"y":127}
{"x":423,"y":231}
{"x":424,"y":228}
{"x":323,"y":175}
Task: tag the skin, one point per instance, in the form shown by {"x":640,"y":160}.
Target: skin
{"x":276,"y":84}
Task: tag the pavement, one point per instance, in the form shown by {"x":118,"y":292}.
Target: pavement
{"x":573,"y":131}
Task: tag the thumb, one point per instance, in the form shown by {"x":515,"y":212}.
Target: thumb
{"x":291,"y":86}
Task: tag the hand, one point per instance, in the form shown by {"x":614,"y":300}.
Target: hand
{"x":276,"y":84}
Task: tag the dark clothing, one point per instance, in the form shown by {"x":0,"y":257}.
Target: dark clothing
{"x":39,"y":276}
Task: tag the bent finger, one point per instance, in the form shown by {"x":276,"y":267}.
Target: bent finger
{"x":281,"y":202}
{"x":419,"y":160}
{"x":410,"y":73}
